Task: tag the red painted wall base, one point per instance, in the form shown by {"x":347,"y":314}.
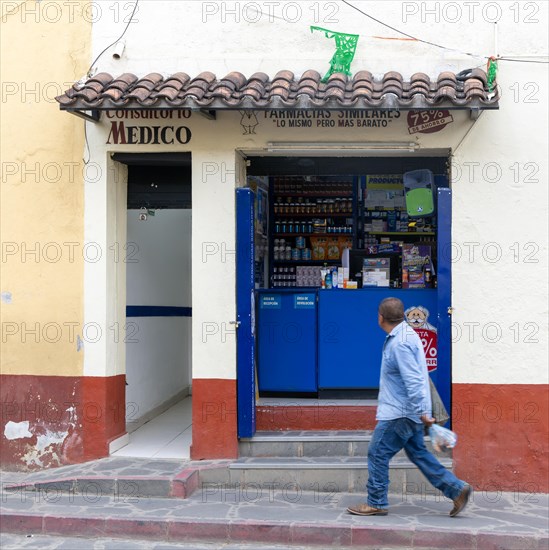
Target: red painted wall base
{"x":503,"y":435}
{"x":214,"y":419}
{"x":50,"y":421}
{"x":314,"y":417}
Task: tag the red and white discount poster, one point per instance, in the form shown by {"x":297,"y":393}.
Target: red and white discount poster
{"x":429,"y":341}
{"x":418,"y":318}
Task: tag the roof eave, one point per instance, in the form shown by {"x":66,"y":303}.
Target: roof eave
{"x":81,"y":108}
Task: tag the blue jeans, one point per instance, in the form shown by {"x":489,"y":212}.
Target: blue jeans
{"x":390,"y":436}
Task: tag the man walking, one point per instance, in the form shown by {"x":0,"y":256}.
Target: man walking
{"x":404,"y":408}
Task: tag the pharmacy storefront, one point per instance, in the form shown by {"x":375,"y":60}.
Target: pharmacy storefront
{"x":310,"y":203}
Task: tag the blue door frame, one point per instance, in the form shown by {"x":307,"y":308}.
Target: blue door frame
{"x":443,"y":378}
{"x":245,"y":312}
{"x":246,"y":307}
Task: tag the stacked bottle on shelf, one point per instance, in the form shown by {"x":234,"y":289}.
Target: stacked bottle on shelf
{"x":310,"y":227}
{"x":314,"y":215}
{"x":300,"y":205}
{"x":298,"y":276}
{"x":296,"y":185}
{"x":283,"y":250}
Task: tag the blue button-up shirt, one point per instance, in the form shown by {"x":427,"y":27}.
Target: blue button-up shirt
{"x":404,"y":381}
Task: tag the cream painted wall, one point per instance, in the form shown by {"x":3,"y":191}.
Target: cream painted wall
{"x":42,"y":203}
{"x":224,"y":36}
{"x":507,"y":292}
{"x":500,"y":277}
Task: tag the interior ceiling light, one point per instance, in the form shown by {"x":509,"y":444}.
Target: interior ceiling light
{"x":342,"y":146}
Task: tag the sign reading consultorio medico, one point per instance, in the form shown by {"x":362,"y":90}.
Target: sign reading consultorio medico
{"x":169,"y":127}
{"x":149,"y":127}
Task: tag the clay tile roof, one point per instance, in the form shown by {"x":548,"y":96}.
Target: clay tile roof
{"x":392,"y":75}
{"x":153,"y":77}
{"x":362,"y":91}
{"x":87,"y":94}
{"x":261,"y":77}
{"x":446,"y":91}
{"x":282,"y":90}
{"x":363,"y":76}
{"x":420,"y":88}
{"x":420,"y":77}
{"x":126,"y":78}
{"x":285,"y":90}
{"x":182,"y":78}
{"x":113,"y":94}
{"x":286,"y":75}
{"x":102,"y":78}
{"x":393,"y":89}
{"x":168,"y":92}
{"x":140,"y":93}
{"x":446,"y":75}
{"x":480,"y":75}
{"x":311,"y":75}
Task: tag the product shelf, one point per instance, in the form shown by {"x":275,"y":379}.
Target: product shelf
{"x":317,"y":215}
{"x":309,"y":262}
{"x":402,"y":233}
{"x":312,"y":235}
{"x":315,"y":195}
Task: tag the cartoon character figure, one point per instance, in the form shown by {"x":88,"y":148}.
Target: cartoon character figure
{"x":248,"y":122}
{"x":417,"y":318}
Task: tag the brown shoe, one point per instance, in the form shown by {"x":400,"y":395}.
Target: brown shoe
{"x":461,"y":501}
{"x":365,"y":510}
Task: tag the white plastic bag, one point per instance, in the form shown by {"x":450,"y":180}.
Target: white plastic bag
{"x":442,"y":438}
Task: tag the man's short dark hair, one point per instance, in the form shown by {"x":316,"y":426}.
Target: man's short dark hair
{"x":392,"y":310}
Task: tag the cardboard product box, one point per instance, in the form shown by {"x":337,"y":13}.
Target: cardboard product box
{"x":414,"y":258}
{"x":334,"y":252}
{"x":416,"y":279}
{"x":320,"y":246}
{"x":374,"y":276}
{"x":377,"y":263}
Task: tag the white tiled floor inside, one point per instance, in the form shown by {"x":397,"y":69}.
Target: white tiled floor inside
{"x":169,"y":434}
{"x":166,"y":436}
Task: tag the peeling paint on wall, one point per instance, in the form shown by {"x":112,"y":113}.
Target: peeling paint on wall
{"x":17,"y":430}
{"x":46,"y":451}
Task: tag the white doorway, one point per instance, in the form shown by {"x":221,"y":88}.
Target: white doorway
{"x":158,"y":335}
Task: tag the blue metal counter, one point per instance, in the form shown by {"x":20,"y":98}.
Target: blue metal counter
{"x":349,"y":338}
{"x":287,"y":340}
{"x":310,"y":340}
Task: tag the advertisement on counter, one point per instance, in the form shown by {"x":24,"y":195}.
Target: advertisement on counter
{"x":418,"y":318}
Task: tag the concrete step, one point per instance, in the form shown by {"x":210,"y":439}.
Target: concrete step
{"x":180,"y":486}
{"x":320,"y":474}
{"x":113,"y":476}
{"x":312,"y":444}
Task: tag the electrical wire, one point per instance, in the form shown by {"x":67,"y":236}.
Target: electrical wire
{"x":520,"y":60}
{"x":404,"y":33}
{"x":89,"y":74}
{"x":434,"y":43}
{"x":86,"y":162}
{"x":117,"y":40}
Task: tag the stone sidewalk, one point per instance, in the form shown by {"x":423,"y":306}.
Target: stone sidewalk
{"x":45,"y":542}
{"x":277,"y":515}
